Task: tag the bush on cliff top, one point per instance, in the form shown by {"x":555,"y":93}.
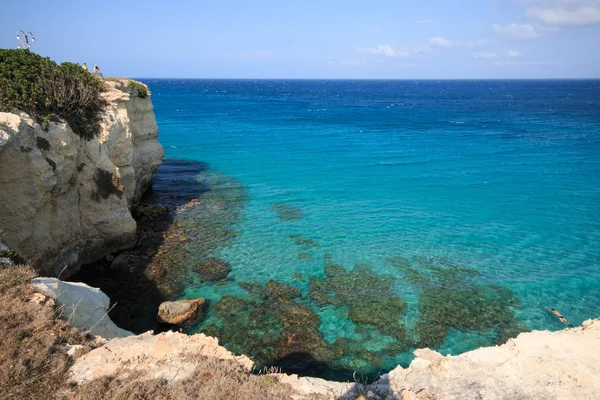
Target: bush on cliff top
{"x":140,"y":89}
{"x":45,"y":90}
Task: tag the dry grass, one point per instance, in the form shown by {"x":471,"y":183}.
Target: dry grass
{"x":34,"y":363}
{"x":213,"y":379}
{"x":33,"y":360}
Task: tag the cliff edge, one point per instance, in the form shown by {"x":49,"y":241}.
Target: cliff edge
{"x":66,"y":201}
{"x":535,"y":365}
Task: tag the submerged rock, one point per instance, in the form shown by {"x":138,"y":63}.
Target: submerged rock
{"x":370,"y":297}
{"x":121,"y":262}
{"x":180,"y":312}
{"x":452,"y":297}
{"x":152,"y":210}
{"x":253,"y":288}
{"x":304,"y":242}
{"x":285,"y":212}
{"x":213,"y":269}
{"x":275,"y":290}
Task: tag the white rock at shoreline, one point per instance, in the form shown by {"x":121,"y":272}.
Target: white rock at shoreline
{"x":84,"y":307}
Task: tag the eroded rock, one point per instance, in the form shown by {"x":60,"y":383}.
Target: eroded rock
{"x":169,"y":356}
{"x":181,"y":311}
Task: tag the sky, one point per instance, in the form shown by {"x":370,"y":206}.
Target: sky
{"x":314,"y":39}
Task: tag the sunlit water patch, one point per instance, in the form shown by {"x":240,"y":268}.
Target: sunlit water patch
{"x":363,"y":219}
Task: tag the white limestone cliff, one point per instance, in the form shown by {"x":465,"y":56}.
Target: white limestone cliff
{"x":65,"y":201}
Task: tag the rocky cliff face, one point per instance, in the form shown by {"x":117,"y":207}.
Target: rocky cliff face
{"x":65,"y":201}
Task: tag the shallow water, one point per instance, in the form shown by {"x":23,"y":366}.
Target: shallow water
{"x":497,"y":177}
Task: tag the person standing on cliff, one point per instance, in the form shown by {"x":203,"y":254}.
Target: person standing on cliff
{"x":96,"y":69}
{"x":84,"y":66}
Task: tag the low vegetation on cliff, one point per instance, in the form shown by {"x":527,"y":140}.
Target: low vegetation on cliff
{"x":34,"y":358}
{"x":47,"y":91}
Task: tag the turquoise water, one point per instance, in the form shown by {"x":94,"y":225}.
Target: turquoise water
{"x":500,"y":177}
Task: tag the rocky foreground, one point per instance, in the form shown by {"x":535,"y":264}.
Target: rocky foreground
{"x":535,"y":365}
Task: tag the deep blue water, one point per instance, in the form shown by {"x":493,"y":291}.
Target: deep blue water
{"x":502,"y":177}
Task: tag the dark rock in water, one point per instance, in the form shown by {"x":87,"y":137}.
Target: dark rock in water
{"x":298,"y":276}
{"x":275,"y":290}
{"x":151,"y":210}
{"x":121,"y":262}
{"x":213,"y":269}
{"x":229,"y":307}
{"x":286,"y":212}
{"x":212,"y":331}
{"x":333,"y":270}
{"x":300,"y":328}
{"x":332,"y":352}
{"x":451,"y":297}
{"x":253,"y":288}
{"x":294,"y":316}
{"x":304,"y":242}
{"x":304,"y":256}
{"x":370,"y":298}
{"x":181,"y":312}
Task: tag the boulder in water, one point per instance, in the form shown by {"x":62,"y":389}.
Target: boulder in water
{"x":180,"y":312}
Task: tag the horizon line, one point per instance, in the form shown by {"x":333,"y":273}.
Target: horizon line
{"x":371,"y":79}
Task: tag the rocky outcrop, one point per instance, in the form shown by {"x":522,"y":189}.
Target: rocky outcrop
{"x":83,"y":306}
{"x":181,"y":311}
{"x":65,"y":201}
{"x":535,"y":365}
{"x":169,"y":356}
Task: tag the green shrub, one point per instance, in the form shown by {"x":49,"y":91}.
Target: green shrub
{"x":141,"y":90}
{"x":47,"y":91}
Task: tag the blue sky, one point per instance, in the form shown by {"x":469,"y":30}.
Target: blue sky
{"x":316,"y":38}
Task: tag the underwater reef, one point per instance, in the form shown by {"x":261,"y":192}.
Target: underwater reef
{"x":278,"y":325}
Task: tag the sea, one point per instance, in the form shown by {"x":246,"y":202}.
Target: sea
{"x":388,"y":215}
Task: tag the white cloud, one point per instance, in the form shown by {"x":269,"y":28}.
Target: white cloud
{"x":514,"y":53}
{"x":385,"y":50}
{"x":484,"y":55}
{"x":431,"y":44}
{"x":516,"y":31}
{"x":426,"y":21}
{"x":571,"y":14}
{"x":520,"y":63}
{"x":472,"y":44}
{"x":440,"y":42}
